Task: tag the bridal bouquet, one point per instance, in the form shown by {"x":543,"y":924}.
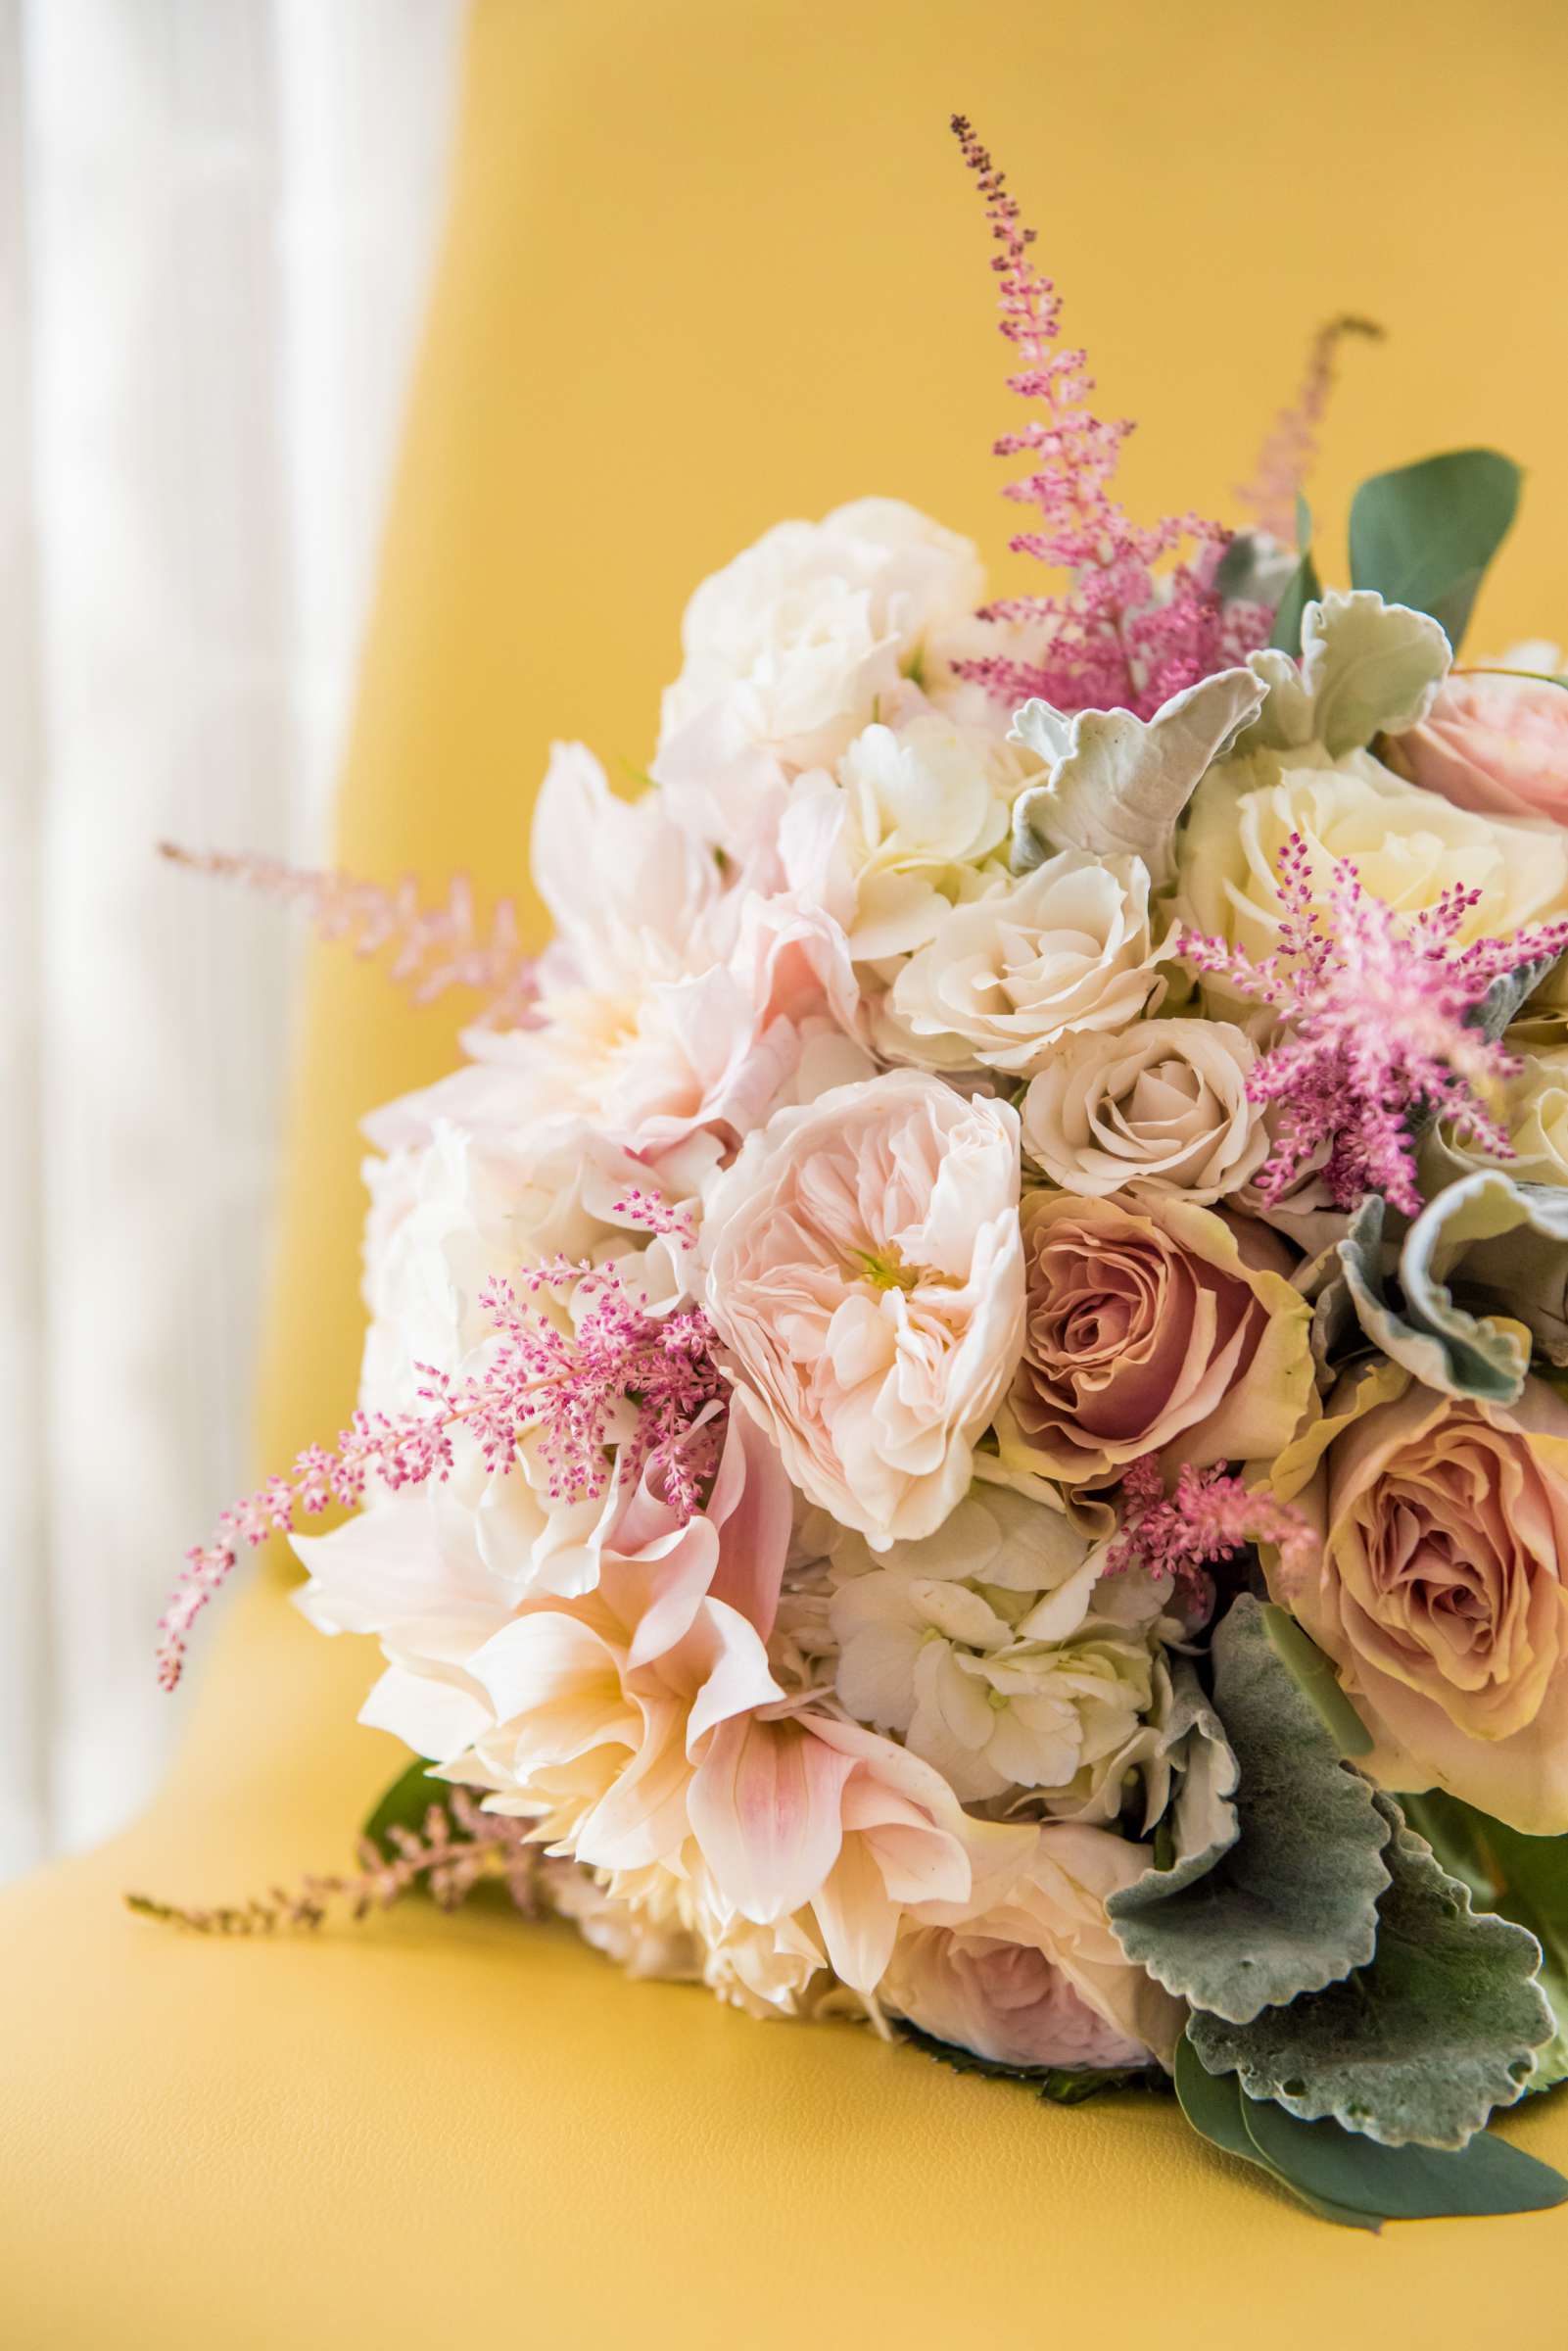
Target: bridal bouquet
{"x":964,"y":1420}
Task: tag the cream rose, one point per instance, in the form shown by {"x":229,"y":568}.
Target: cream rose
{"x":1039,"y":1979}
{"x":1162,"y":1107}
{"x":800,"y":634}
{"x":866,"y":1276}
{"x":1007,"y":975}
{"x":1495,"y":744}
{"x":1149,"y":1325}
{"x":1439,"y":1588}
{"x":1407,"y":846}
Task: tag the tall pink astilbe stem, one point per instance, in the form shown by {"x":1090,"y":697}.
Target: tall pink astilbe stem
{"x":1286,"y":457}
{"x":457,"y":1847}
{"x":434,"y":947}
{"x":1380,"y":1028}
{"x":1115,"y":637}
{"x":623,"y":1391}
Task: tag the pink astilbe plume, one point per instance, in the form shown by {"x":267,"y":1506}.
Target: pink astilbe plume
{"x":1286,"y":457}
{"x":1117,"y":637}
{"x":457,"y":1846}
{"x":1208,"y":1519}
{"x":1380,"y":1025}
{"x":623,"y":1391}
{"x":435,"y":947}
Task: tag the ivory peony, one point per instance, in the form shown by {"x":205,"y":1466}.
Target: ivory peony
{"x":799,"y":635}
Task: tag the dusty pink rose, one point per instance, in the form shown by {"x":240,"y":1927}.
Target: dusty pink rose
{"x":866,"y":1276}
{"x":1439,"y":1587}
{"x":1151,"y":1325}
{"x":1498,"y":746}
{"x":1038,"y":1978}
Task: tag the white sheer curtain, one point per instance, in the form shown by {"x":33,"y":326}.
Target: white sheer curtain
{"x":217,"y":222}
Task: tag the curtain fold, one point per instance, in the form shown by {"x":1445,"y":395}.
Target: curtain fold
{"x":217,"y":222}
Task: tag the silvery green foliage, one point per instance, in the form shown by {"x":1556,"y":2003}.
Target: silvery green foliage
{"x":1366,"y":668}
{"x":1288,"y":1902}
{"x":1118,"y":784}
{"x":1419,"y":2046}
{"x":1498,"y":1242}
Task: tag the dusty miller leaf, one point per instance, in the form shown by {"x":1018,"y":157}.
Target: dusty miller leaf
{"x":1416,"y":2048}
{"x":1291,"y":1903}
{"x":1118,"y":784}
{"x":1519,"y":1877}
{"x":1366,"y":668}
{"x":1501,"y":1246}
{"x":1441,"y":1343}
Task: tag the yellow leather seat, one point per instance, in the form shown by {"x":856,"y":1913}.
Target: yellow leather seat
{"x":710,"y":264}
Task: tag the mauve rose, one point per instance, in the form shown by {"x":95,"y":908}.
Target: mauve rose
{"x":1439,"y":1589}
{"x":1147,"y":1322}
{"x":1494,"y":744}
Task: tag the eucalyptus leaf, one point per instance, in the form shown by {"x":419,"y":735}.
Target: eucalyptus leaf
{"x":1366,"y":668}
{"x":1118,"y":784}
{"x":1058,"y":2085}
{"x":1416,"y":2048}
{"x":1290,"y":1905}
{"x":1424,"y":534}
{"x":1447,"y":1348}
{"x":1300,"y":589}
{"x":1212,"y":2103}
{"x":1400,"y":2184}
{"x":1521,"y":1878}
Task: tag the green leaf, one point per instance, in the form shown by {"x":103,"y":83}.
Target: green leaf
{"x":1301,"y":589}
{"x":1366,"y":668}
{"x":1400,"y":2184}
{"x":1521,"y":1878}
{"x":404,"y":1805}
{"x":1118,"y":784}
{"x":1421,"y":2045}
{"x":1290,"y":1905}
{"x":1424,"y":534}
{"x":1058,"y":2085}
{"x":1212,"y":2103}
{"x":1314,"y":1677}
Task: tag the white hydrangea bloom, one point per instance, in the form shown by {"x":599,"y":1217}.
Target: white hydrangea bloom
{"x":1001,"y":1653}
